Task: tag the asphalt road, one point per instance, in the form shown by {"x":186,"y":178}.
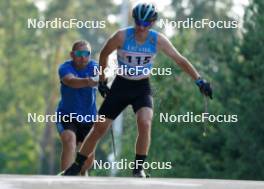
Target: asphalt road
{"x":57,"y":182}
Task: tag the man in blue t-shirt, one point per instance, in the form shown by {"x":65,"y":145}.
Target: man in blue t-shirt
{"x":77,"y":108}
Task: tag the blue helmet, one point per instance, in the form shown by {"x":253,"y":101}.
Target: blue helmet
{"x":145,"y":12}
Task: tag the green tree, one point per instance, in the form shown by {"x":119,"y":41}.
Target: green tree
{"x":244,"y":148}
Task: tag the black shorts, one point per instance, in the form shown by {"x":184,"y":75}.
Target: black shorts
{"x":80,"y":129}
{"x":126,"y":92}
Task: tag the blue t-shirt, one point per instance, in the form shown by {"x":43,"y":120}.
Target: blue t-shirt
{"x":81,"y":101}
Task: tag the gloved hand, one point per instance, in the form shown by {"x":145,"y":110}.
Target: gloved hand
{"x":205,"y":87}
{"x":103,"y":88}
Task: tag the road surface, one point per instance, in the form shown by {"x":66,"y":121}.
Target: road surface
{"x":58,"y":182}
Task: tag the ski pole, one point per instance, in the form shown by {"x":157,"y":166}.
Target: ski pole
{"x":113,"y":141}
{"x":205,"y":111}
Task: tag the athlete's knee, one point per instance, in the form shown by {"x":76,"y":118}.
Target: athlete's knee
{"x":144,"y":121}
{"x":144,"y":118}
{"x":100,"y":129}
{"x":68,"y":139}
{"x":144,"y":124}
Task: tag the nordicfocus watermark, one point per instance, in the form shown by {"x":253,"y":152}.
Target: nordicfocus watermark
{"x":134,"y":71}
{"x":58,"y":117}
{"x":198,"y":24}
{"x":59,"y":23}
{"x":125,"y":164}
{"x":190,"y":117}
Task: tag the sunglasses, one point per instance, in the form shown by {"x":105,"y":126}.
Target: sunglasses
{"x":142,"y":23}
{"x":81,"y":53}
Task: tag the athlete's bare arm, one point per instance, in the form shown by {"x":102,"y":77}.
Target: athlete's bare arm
{"x":113,"y":43}
{"x":76,"y":82}
{"x":165,"y":45}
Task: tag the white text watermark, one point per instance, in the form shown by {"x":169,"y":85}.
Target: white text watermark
{"x":58,"y":117}
{"x":190,"y":117}
{"x":59,"y":23}
{"x":125,"y":164}
{"x":198,"y":24}
{"x":133,"y":71}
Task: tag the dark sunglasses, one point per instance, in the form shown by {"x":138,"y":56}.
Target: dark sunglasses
{"x":142,"y":23}
{"x":81,"y":53}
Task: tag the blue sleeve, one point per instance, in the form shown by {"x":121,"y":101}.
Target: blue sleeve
{"x":64,"y":70}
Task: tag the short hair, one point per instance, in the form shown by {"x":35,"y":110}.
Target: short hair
{"x":80,"y":43}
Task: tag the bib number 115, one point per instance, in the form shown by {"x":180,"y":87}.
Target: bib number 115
{"x":138,"y":59}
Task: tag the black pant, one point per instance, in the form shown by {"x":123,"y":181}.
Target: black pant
{"x":80,"y":129}
{"x":126,"y":92}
